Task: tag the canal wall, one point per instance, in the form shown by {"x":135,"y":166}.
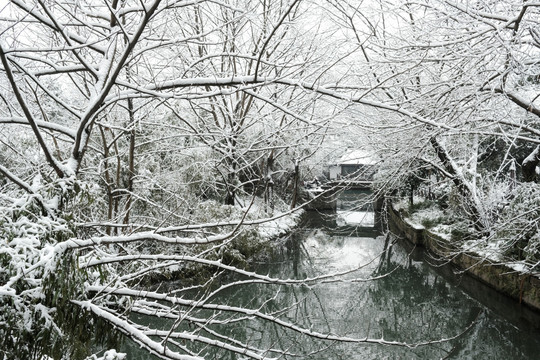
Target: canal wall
{"x":524,"y":288}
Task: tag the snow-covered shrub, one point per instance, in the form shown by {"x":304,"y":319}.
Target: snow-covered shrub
{"x":39,"y":280}
{"x":109,"y":355}
{"x":247,"y":243}
{"x":518,"y":224}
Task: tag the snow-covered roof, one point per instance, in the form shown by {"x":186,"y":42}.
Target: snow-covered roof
{"x":356,"y":157}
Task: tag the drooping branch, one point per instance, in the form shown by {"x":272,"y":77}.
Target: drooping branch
{"x":16,"y":180}
{"x":29,"y":117}
{"x":156,"y":296}
{"x":27,"y":188}
{"x":520,"y":101}
{"x":134,"y":332}
{"x":40,"y":123}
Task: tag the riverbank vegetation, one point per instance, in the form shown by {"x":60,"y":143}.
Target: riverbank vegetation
{"x":468,"y":163}
{"x":141,"y":136}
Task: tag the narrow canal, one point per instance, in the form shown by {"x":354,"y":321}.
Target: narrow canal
{"x":407,"y":300}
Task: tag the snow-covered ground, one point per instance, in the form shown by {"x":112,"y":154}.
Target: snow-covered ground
{"x":280,"y":219}
{"x":279,"y":226}
{"x":489,"y":249}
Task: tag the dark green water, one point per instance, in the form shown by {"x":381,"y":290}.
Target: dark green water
{"x":411,"y":302}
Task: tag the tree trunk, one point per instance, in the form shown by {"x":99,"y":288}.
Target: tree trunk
{"x":108,"y":180}
{"x":269,"y":182}
{"x":131,"y":162}
{"x":295,"y":184}
{"x":231,"y":185}
{"x":473,"y":208}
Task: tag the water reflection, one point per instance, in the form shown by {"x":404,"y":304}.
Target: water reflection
{"x":408,"y":302}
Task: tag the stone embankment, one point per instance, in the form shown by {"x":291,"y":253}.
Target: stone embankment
{"x":524,"y":288}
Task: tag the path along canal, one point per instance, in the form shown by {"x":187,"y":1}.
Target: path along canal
{"x":412,"y":302}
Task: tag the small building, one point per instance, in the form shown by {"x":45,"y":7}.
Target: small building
{"x":357,"y":164}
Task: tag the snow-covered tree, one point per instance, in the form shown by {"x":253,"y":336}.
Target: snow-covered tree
{"x":126,"y":123}
{"x":458,"y":83}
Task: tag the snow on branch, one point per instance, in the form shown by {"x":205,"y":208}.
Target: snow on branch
{"x":140,"y":236}
{"x":176,"y":301}
{"x":134,"y":333}
{"x":42,"y":124}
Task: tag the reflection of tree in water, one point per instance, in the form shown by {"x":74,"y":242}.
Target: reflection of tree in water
{"x":418,"y":305}
{"x":409,"y":303}
{"x":352,"y":309}
{"x":429,"y":310}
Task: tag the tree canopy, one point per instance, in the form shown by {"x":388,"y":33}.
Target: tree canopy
{"x":145,"y":139}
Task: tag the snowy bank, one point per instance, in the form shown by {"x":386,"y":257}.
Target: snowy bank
{"x":505,"y":278}
{"x":271,"y":223}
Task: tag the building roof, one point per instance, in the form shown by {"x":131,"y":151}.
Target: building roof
{"x":356,"y":157}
